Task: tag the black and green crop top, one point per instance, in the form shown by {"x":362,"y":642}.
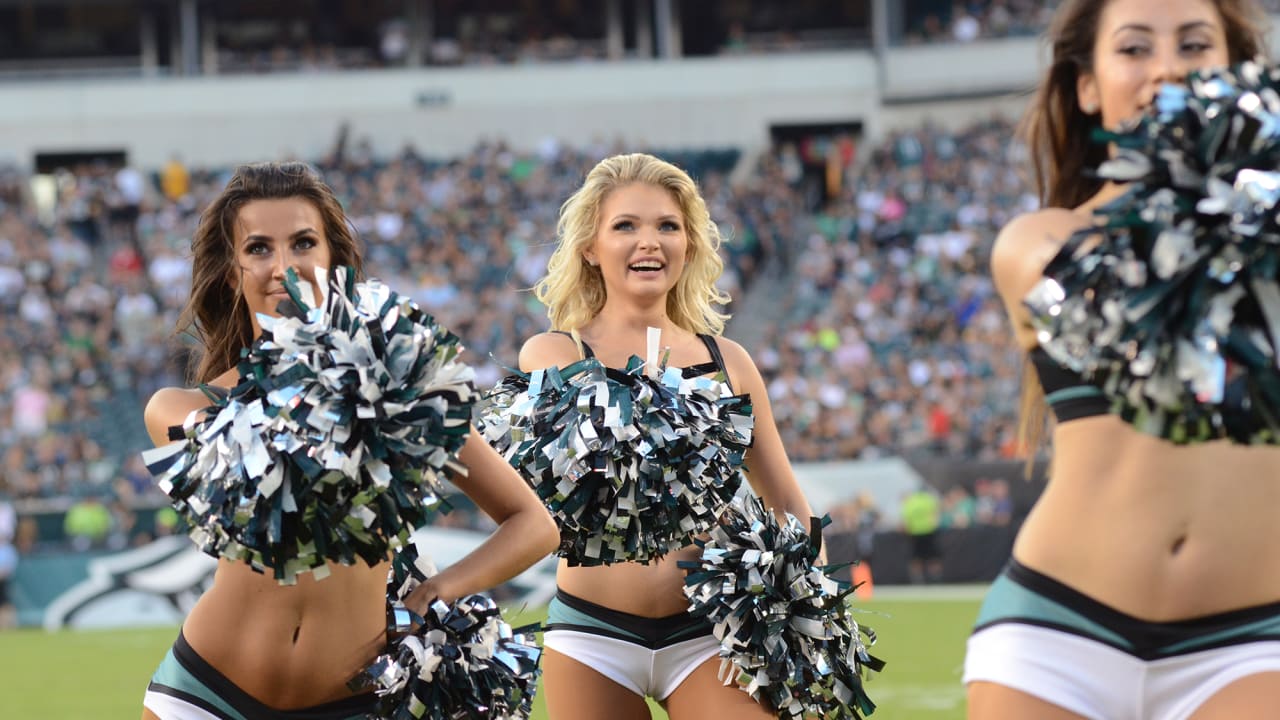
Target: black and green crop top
{"x":1069,"y":395}
{"x":716,"y":364}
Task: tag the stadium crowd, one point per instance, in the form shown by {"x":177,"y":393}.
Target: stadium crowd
{"x":885,"y":346}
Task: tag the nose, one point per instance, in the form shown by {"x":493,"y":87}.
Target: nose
{"x":1169,"y":67}
{"x":649,"y":238}
{"x":283,"y":262}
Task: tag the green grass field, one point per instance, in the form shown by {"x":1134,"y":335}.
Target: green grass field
{"x":100,"y":675}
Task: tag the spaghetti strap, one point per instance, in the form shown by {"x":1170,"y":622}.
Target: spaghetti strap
{"x":713,"y":347}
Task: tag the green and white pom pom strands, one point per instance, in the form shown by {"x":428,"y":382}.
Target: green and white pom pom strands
{"x":460,"y":662}
{"x":1175,"y":313}
{"x":332,"y":445}
{"x":787,"y":635}
{"x":631,"y":466}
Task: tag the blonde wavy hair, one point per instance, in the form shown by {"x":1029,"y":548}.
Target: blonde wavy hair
{"x":574,"y":291}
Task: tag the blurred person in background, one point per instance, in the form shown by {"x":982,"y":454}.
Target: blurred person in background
{"x":921,"y":519}
{"x":8,"y":561}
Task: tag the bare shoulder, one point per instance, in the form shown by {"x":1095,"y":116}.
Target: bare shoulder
{"x":168,"y":407}
{"x":742,"y":369}
{"x":546,"y":349}
{"x":1026,"y":244}
{"x":733,"y":351}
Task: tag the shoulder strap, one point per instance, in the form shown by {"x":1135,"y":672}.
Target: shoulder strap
{"x":586,"y":349}
{"x":713,"y":347}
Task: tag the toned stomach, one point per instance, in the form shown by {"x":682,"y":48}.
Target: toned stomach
{"x":1158,"y":531}
{"x":653,"y":590}
{"x":290,"y":646}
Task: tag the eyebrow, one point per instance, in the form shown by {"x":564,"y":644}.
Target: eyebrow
{"x":630,"y":216}
{"x":252,"y":237}
{"x":1193,"y":25}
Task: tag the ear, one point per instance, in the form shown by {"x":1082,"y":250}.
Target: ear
{"x":590,"y":256}
{"x":1087,"y":95}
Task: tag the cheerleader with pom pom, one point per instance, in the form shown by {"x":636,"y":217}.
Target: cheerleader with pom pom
{"x":653,"y":415}
{"x":1144,"y":582}
{"x":305,"y":496}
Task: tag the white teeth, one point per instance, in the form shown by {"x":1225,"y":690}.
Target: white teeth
{"x":647,"y":266}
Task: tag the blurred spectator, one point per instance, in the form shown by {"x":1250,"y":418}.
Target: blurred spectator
{"x":959,"y":509}
{"x":964,"y":27}
{"x":993,"y":505}
{"x":175,"y":180}
{"x":8,"y":562}
{"x":87,"y":523}
{"x":868,"y":524}
{"x":165,"y":521}
{"x":921,"y":520}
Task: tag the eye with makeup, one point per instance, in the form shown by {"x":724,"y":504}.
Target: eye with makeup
{"x":301,"y":243}
{"x":628,"y":225}
{"x":257,"y":248}
{"x":1195,"y":47}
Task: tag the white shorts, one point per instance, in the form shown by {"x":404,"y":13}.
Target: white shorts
{"x":648,"y":656}
{"x":1101,"y":683}
{"x":645,"y":672}
{"x":1039,"y":636}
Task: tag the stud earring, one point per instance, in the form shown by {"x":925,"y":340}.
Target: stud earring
{"x":1089,"y":108}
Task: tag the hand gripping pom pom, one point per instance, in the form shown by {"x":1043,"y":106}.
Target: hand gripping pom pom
{"x":1175,"y":311}
{"x":786,"y":633}
{"x":461,"y":662}
{"x":631,"y":467}
{"x":332,"y":444}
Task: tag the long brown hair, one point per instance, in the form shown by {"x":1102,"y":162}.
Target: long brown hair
{"x":216,"y":314}
{"x":1058,"y":134}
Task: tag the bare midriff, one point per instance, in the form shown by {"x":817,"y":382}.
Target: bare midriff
{"x":653,"y":590}
{"x":291,"y":646}
{"x":1157,"y":531}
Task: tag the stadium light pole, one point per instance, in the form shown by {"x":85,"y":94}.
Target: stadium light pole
{"x":880,"y":40}
{"x":644,"y":29}
{"x":420,"y":15}
{"x":613,"y":29}
{"x":667,"y":30}
{"x":149,"y":54}
{"x":189,"y":32}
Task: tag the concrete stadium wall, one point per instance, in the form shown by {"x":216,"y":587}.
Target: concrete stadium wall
{"x":702,"y":102}
{"x":712,"y":102}
{"x":932,"y":72}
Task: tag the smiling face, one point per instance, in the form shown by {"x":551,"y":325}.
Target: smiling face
{"x":640,"y":245}
{"x":1142,"y":44}
{"x":270,"y":237}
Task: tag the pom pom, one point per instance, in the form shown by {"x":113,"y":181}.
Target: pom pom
{"x":461,"y":662}
{"x":1171,"y":305}
{"x":786,"y":633}
{"x":332,"y":444}
{"x":631,"y":467}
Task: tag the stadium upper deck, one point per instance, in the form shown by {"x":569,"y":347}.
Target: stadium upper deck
{"x":192,"y":37}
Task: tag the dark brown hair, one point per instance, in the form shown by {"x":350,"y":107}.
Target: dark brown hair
{"x":1058,"y":133}
{"x":216,"y":314}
